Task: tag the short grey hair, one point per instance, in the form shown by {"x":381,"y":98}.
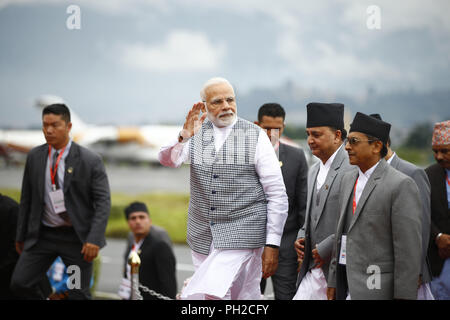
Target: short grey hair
{"x":211,"y":82}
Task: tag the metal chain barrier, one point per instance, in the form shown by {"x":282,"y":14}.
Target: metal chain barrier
{"x":152,"y":292}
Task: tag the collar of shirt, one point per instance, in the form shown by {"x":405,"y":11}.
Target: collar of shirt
{"x":66,"y":151}
{"x":362,"y":181}
{"x":324,"y":168}
{"x":276,"y":146}
{"x":391,"y":158}
{"x":366,"y":175}
{"x":137,"y":245}
{"x":221,"y":134}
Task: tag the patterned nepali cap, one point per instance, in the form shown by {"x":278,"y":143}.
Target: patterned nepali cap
{"x":441,"y":133}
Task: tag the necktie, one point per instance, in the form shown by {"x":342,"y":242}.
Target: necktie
{"x":63,"y":215}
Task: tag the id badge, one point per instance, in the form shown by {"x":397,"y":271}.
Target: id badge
{"x":125,"y":289}
{"x":343,"y":254}
{"x":57,"y":200}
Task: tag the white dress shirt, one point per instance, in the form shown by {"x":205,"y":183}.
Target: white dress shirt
{"x":267,"y":167}
{"x":391,"y":158}
{"x":362,"y":181}
{"x":324,"y":168}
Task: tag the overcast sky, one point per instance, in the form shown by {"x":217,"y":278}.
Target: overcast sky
{"x":136,"y":61}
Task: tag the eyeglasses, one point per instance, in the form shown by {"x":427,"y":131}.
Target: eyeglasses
{"x":354,"y":141}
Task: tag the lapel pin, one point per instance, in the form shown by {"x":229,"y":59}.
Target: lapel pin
{"x":281,"y":164}
{"x":326,"y":187}
{"x":70,"y":170}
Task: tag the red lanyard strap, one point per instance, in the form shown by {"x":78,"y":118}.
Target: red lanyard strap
{"x":354,"y":196}
{"x":53,"y":173}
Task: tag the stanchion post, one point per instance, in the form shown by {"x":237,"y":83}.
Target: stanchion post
{"x":134,"y":261}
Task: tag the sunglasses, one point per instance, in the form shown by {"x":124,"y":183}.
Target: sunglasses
{"x":354,"y":141}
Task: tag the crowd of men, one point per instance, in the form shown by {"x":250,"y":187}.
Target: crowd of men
{"x":361,"y":223}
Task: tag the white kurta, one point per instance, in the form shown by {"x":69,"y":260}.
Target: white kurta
{"x":225,"y":274}
{"x":240,"y":270}
{"x":313,"y":286}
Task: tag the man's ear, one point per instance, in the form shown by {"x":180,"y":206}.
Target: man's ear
{"x":379,"y":146}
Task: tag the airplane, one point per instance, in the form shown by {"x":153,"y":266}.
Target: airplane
{"x":134,"y":144}
{"x":130,"y":144}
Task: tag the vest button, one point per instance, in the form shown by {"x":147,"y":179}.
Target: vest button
{"x":212,"y":208}
{"x":214,"y":192}
{"x":215,"y":176}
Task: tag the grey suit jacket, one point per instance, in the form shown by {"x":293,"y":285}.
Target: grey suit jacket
{"x":325,"y":226}
{"x":86,"y":195}
{"x":385,"y":232}
{"x":421,"y":179}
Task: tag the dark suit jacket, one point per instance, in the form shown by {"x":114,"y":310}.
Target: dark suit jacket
{"x":158,"y":264}
{"x":8,"y":256}
{"x":295,"y":175}
{"x":86,"y":195}
{"x":440,"y":214}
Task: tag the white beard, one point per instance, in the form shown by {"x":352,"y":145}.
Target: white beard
{"x":222,"y":122}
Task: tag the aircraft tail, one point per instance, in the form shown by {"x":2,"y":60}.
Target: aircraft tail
{"x":78,"y":125}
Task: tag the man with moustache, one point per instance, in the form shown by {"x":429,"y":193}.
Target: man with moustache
{"x":378,"y":247}
{"x":294,"y":168}
{"x":420,"y":178}
{"x":439,"y":246}
{"x":64,"y":208}
{"x":326,"y":133}
{"x":238,"y":203}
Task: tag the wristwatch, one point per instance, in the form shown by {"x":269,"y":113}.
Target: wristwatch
{"x":181,"y":138}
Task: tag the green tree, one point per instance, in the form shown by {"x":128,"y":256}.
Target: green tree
{"x":420,"y":136}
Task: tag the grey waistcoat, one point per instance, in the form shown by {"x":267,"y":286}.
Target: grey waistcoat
{"x":315,"y":214}
{"x":227,"y":206}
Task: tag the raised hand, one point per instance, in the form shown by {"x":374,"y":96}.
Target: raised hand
{"x":194,"y":121}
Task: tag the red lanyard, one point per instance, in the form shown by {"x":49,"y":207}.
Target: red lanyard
{"x":53,"y":173}
{"x":354,"y":196}
{"x":448,"y":181}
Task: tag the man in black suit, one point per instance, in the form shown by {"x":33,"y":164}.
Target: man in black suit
{"x":64,"y":208}
{"x":157,"y":270}
{"x":439,"y":176}
{"x":294,"y":168}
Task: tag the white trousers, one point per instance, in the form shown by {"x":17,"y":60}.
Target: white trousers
{"x":225,"y":274}
{"x":313,"y":286}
